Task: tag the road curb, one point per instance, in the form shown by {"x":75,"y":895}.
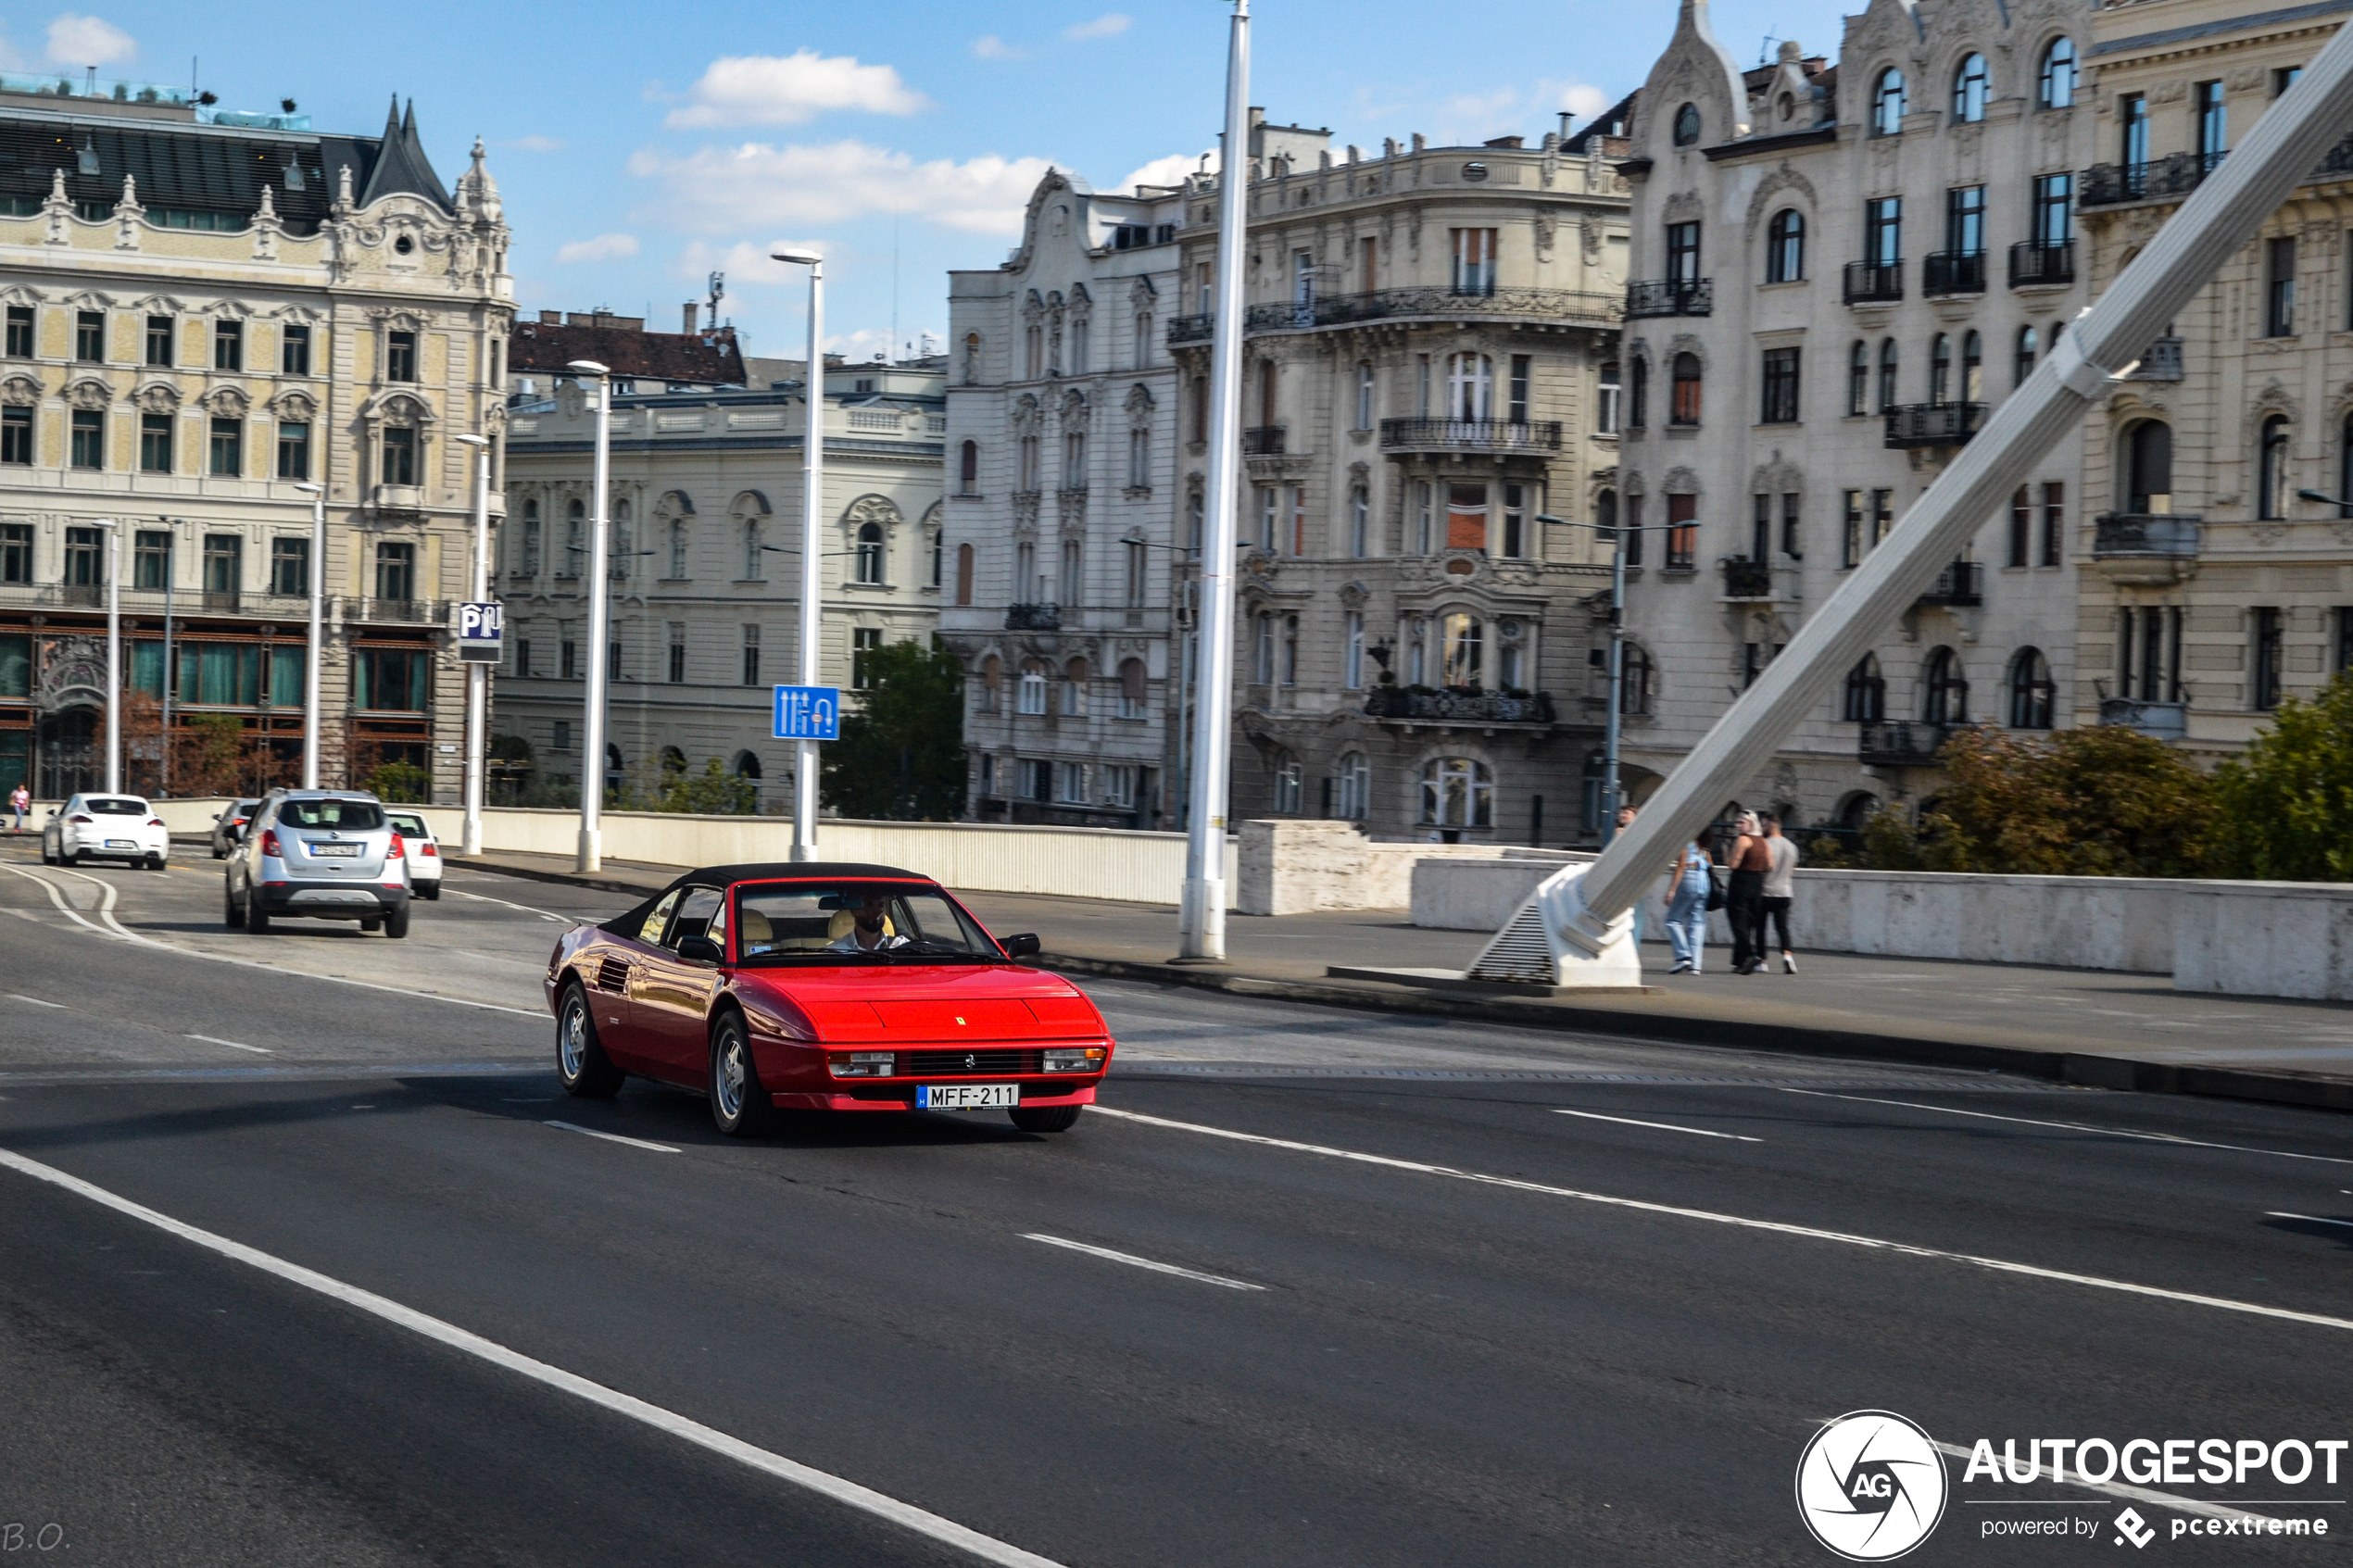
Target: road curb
{"x":532,"y":874}
{"x":2067,"y":1067}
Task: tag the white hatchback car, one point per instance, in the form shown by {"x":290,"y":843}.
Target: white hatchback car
{"x":423,"y":851}
{"x":106,"y":827}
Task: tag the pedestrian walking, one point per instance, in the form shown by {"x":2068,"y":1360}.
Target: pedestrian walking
{"x":1693,"y":880}
{"x":21,"y":801}
{"x":1744,"y":899}
{"x":1781,"y":887}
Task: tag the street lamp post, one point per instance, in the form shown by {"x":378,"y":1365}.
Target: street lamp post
{"x":318,"y":494}
{"x":1610,"y":794}
{"x":1202,"y":917}
{"x":592,"y":721}
{"x":477,"y":674}
{"x":813,"y":474}
{"x":114,"y":653}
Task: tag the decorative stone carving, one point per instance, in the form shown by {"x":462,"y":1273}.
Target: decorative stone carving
{"x":20,"y":391}
{"x":871,"y":508}
{"x":98,"y":395}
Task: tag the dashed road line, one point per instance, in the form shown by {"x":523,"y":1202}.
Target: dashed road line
{"x":1133,"y":1261}
{"x":2074,"y":1126}
{"x":1662,"y":1126}
{"x":233,"y":1045}
{"x":614,"y":1138}
{"x":20,"y":996}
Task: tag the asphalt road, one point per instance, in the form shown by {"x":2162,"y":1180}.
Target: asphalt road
{"x":1425,"y":1318}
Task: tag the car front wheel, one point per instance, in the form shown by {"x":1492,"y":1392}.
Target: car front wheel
{"x":738,"y":1104}
{"x":1045,"y":1117}
{"x":580,"y":1063}
{"x":396,"y":922}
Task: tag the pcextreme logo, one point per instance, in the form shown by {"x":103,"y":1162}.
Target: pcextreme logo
{"x":1870,"y":1486}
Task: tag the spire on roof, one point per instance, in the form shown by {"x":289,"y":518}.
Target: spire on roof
{"x":401,"y":167}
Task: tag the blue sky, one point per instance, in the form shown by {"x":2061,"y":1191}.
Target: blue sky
{"x":640,"y":147}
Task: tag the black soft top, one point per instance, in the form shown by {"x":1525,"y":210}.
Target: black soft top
{"x":796,"y":871}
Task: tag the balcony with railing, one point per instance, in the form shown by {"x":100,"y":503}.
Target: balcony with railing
{"x":1469,"y":435}
{"x":1434,"y":303}
{"x":218,"y":601}
{"x":1953,"y":272}
{"x":1423,"y":706}
{"x":1933,"y":424}
{"x":1264,"y":440}
{"x":1191,"y":329}
{"x":2146,"y":537}
{"x":1959,"y":585}
{"x":2160,"y":361}
{"x":1745,"y":579}
{"x":412,"y":611}
{"x":1670,"y":296}
{"x":1900,"y":744}
{"x":2177,"y":174}
{"x":2040,"y":266}
{"x":1033,"y":617}
{"x":2158,"y":720}
{"x":1874,"y":283}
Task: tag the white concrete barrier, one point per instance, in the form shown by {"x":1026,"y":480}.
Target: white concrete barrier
{"x":1288,"y":866}
{"x":2265,"y":939}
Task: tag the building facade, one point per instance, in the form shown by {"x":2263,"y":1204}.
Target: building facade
{"x":1838,"y":269}
{"x":205,"y":312}
{"x":705,"y":511}
{"x":1431,"y":372}
{"x":1062,"y":511}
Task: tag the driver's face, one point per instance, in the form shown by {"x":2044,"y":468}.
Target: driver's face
{"x":870,"y":915}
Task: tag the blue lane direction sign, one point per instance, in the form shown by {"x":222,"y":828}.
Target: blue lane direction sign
{"x":808,"y":713}
{"x":481,"y":631}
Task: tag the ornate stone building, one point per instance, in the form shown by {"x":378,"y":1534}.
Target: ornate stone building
{"x":205,"y":311}
{"x":705,"y":511}
{"x":1838,"y":269}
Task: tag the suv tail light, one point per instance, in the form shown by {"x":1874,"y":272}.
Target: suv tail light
{"x":269,"y":843}
{"x":394,"y":853}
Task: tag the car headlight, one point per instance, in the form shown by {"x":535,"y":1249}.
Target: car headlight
{"x":864,"y":1064}
{"x":1085,"y":1059}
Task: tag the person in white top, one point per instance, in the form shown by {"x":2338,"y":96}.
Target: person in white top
{"x":1781,"y":886}
{"x":870,"y":931}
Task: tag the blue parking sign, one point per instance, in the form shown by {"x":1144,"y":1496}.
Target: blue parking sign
{"x":481,"y":632}
{"x":808,"y":713}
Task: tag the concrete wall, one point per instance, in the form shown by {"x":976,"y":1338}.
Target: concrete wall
{"x":2265,"y":939}
{"x":1288,"y":867}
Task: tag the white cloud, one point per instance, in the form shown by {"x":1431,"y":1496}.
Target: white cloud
{"x":1475,"y":117}
{"x":1169,"y":170}
{"x":721,"y":189}
{"x":1110,"y":24}
{"x":991,"y":47}
{"x":788,"y":89}
{"x":747,"y":264}
{"x":1583,"y":101}
{"x":535,"y":144}
{"x":604,"y":247}
{"x":88,"y":41}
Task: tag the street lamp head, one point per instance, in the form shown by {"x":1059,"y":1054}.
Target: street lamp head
{"x":471,"y":440}
{"x":796,"y":257}
{"x":312,"y":489}
{"x":103,"y":523}
{"x":2316,"y":496}
{"x":587,"y":368}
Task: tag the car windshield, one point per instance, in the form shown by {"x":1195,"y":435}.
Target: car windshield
{"x":407,"y":825}
{"x":350,"y":816}
{"x":115,"y":806}
{"x":853,"y":922}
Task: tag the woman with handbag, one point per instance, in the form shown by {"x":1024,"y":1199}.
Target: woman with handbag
{"x":1695,"y":893}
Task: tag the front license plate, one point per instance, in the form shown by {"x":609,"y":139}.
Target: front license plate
{"x":122,"y":844}
{"x":336,"y":851}
{"x":966,"y":1096}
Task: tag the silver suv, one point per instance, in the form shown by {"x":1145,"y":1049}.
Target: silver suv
{"x":319,"y":854}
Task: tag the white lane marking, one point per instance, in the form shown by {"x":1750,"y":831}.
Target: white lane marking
{"x":1134,"y":1261}
{"x":2308,"y":1219}
{"x":20,"y":996}
{"x":1663,"y":1126}
{"x":2073,"y":1126}
{"x":614,"y":1138}
{"x":526,"y":908}
{"x":2122,"y":1490}
{"x":252,"y":963}
{"x":1906,"y":1249}
{"x":215,"y":1040}
{"x":825,"y":1483}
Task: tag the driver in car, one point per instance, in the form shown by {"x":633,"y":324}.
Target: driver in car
{"x":870,"y":934}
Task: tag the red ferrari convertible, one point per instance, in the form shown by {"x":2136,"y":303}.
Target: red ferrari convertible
{"x":822,"y":988}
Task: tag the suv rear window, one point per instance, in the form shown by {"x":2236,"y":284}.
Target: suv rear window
{"x":115,"y":806}
{"x":353,"y":816}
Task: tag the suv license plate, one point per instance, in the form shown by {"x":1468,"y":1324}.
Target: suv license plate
{"x":966,"y":1096}
{"x":336,"y":851}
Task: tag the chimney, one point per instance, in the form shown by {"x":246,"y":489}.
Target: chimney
{"x":551,"y":317}
{"x":693,"y":306}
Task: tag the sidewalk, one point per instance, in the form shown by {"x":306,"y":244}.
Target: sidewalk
{"x":2084,"y":1026}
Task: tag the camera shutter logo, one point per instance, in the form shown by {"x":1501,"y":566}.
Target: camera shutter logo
{"x":1872,"y":1486}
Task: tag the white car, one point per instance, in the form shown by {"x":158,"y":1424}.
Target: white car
{"x":106,"y":827}
{"x":422,"y":849}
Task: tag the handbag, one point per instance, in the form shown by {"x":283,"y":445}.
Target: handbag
{"x":1714,"y":890}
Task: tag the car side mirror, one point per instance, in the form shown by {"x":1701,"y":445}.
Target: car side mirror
{"x":701,"y":949}
{"x":1024,"y":945}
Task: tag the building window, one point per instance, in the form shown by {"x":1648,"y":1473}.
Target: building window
{"x":1466,"y":517}
{"x":1363,"y":396}
{"x":1354,"y":796}
{"x":2279,"y":293}
{"x":1687,"y":125}
{"x":2021,"y":525}
{"x":84,"y":565}
{"x":568,"y":660}
{"x":2053,"y":211}
{"x":1793,"y":538}
{"x":155,"y":443}
{"x":1945,"y":691}
{"x":396,"y":570}
{"x":1882,"y":516}
{"x":223,"y":563}
{"x":1964,"y":219}
{"x":2267,"y":659}
{"x":16,"y":435}
{"x":1785,"y":248}
{"x":1031,"y":697}
{"x":2133,"y":130}
{"x":1683,"y":533}
{"x":677,"y":670}
{"x":531,"y":538}
{"x":1887,"y":103}
{"x":1970,"y":90}
{"x":1074,"y":577}
{"x":228,"y":345}
{"x":2057,"y":86}
{"x":752,"y":656}
{"x":1516,"y":400}
{"x":938,"y":552}
{"x":1425,"y":508}
{"x":90,"y":336}
{"x":1289,"y":783}
{"x":1682,"y":256}
{"x":870,"y":552}
{"x":964,"y":574}
{"x":1457,"y":792}
{"x":1352,"y":651}
{"x":1515,"y":520}
{"x":1865,"y":694}
{"x":1261,"y":651}
{"x":20,"y":345}
{"x":1605,"y":402}
{"x":1474,"y":261}
{"x":290,"y":566}
{"x":294,"y":350}
{"x":1132,"y":693}
{"x":1632,"y":505}
{"x":400,"y":357}
{"x":2034,"y":696}
{"x":1633,"y":679}
{"x":1781,"y":386}
{"x":2272,"y":481}
{"x":1075,"y":459}
{"x":1851,"y":538}
{"x":90,"y":439}
{"x":2213,"y":124}
{"x":151,"y":560}
{"x":1074,"y":684}
{"x":1637,"y":395}
{"x":968,"y":468}
{"x":1360,"y":522}
{"x":1940,"y":369}
{"x":1684,"y":409}
{"x":1027,"y":478}
{"x":2054,"y":522}
{"x":389,"y":680}
{"x":865,"y":642}
{"x":159,"y":339}
{"x":1858,"y":378}
{"x":227,"y":455}
{"x":1888,"y":390}
{"x":400,"y":455}
{"x":2022,"y":364}
{"x":1884,"y":230}
{"x":294,"y":451}
{"x":1972,"y":367}
{"x":1470,"y":383}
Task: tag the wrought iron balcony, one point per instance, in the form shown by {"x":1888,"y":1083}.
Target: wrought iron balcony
{"x":1033,"y":617}
{"x":414,"y":612}
{"x":1874,"y":283}
{"x":1672,"y":297}
{"x":2158,"y":720}
{"x":2035,"y":266}
{"x":1953,"y":272}
{"x":2160,"y":361}
{"x":1459,"y":706}
{"x":1933,"y":424}
{"x":1379,"y":304}
{"x":219,"y":601}
{"x":1263,"y":441}
{"x":1745,"y":579}
{"x":1191,"y":329}
{"x":1469,"y":435}
{"x":2110,"y":184}
{"x":1900,"y":744}
{"x":2145,"y":536}
{"x":1961,"y":583}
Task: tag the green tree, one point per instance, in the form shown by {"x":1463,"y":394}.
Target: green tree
{"x":402,"y":782}
{"x":2281,"y":807}
{"x":901,"y":755}
{"x":714,"y":792}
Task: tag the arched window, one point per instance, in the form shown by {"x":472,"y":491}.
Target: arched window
{"x":1032,"y":689}
{"x":1940,"y":369}
{"x":1887,"y":103}
{"x":1470,"y":385}
{"x":992,"y":680}
{"x":1363,"y":395}
{"x":615,"y":768}
{"x":1605,"y":404}
{"x":1684,"y":409}
{"x":1457,"y":792}
{"x":968,"y":468}
{"x":1785,"y":246}
{"x":674,"y":762}
{"x":1972,"y":367}
{"x":2024,"y":364}
{"x":870,"y":552}
{"x":1290,"y":782}
{"x":678,"y":547}
{"x":746,"y":766}
{"x":2148,"y":468}
{"x":2058,"y":88}
{"x":1139,"y":459}
{"x":1858,"y":378}
{"x":1887,"y":366}
{"x":2034,"y":698}
{"x":1866,"y":695}
{"x":1633,"y":679}
{"x":964,"y":574}
{"x":1132,"y":695}
{"x":1944,"y":693}
{"x":1970,"y":90}
{"x":2271,"y":491}
{"x":1687,"y":125}
{"x":1606,"y":520}
{"x":1353,"y":787}
{"x":1855,"y":810}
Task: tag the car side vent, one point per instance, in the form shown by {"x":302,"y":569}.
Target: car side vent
{"x":613,"y":975}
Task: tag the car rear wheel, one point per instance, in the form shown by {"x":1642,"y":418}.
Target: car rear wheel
{"x":428,"y":890}
{"x":257,"y":917}
{"x":580,"y":1063}
{"x":228,"y":914}
{"x":396,"y":922}
{"x":155,"y":863}
{"x":738,"y":1104}
{"x":1045,"y":1117}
